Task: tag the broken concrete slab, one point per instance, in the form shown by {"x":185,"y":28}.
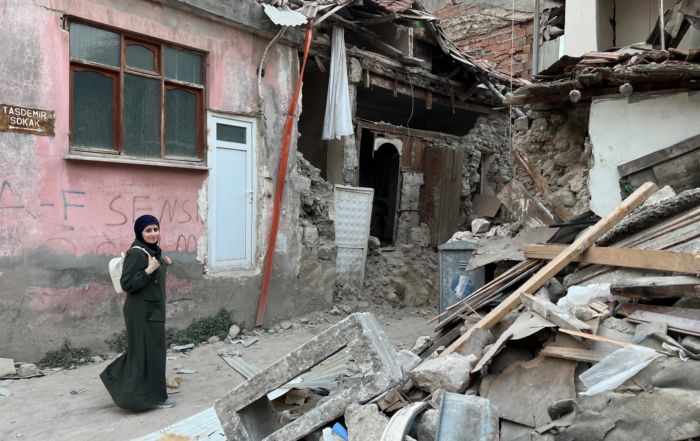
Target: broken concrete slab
{"x":525,"y":208}
{"x":466,"y":417}
{"x":524,"y":390}
{"x":365,"y":422}
{"x":422,"y":344}
{"x":244,"y":411}
{"x":450,"y":373}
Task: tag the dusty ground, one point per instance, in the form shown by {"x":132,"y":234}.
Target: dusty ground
{"x":43,"y":408}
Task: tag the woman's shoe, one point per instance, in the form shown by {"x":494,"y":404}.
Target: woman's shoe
{"x":166,"y":404}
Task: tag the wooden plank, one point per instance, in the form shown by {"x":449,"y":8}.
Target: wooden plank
{"x":627,"y":257}
{"x":628,"y":309}
{"x":659,"y":156}
{"x":585,"y":355}
{"x":677,"y":324}
{"x":452,"y":198}
{"x":418,"y":153}
{"x":553,"y":313}
{"x":594,"y":337}
{"x":657,"y":287}
{"x":430,"y":194}
{"x":444,"y":232}
{"x":682,"y":172}
{"x":407,"y":150}
{"x":381,"y":19}
{"x":583,"y":242}
{"x":524,"y":160}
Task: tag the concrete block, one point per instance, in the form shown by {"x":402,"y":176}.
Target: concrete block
{"x":242,"y":410}
{"x":420,"y":236}
{"x":521,"y":124}
{"x":480,"y":226}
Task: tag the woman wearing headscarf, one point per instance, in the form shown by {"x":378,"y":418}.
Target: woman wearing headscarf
{"x":136,"y":380}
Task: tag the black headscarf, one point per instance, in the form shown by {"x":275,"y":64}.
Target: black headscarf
{"x":140,"y":225}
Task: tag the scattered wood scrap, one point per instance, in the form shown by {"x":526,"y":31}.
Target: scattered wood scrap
{"x":657,"y":287}
{"x":553,"y":313}
{"x":678,"y":324}
{"x":597,"y":338}
{"x":574,"y":354}
{"x":585,"y":241}
{"x":628,"y":257}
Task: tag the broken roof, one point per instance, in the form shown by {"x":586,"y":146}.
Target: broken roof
{"x":406,"y":13}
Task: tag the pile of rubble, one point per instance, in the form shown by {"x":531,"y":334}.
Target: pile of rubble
{"x":578,"y":348}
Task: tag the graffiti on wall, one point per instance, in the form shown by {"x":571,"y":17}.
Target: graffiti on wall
{"x":98,"y":218}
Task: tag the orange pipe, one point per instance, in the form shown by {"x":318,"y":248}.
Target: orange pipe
{"x":281,"y":178}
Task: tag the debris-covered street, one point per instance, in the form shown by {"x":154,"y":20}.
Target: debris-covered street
{"x":358,"y":220}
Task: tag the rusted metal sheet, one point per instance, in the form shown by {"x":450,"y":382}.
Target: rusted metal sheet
{"x":524,"y":207}
{"x":27,"y":120}
{"x":452,"y":199}
{"x":444,"y":232}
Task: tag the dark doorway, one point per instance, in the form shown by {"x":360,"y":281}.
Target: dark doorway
{"x":380,"y":170}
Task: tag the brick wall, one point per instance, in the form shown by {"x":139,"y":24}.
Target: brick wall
{"x":502,"y":46}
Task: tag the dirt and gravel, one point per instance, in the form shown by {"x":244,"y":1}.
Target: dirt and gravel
{"x":43,"y":408}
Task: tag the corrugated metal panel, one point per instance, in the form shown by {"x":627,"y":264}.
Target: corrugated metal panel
{"x":243,"y":368}
{"x":204,"y":426}
{"x":285,"y":18}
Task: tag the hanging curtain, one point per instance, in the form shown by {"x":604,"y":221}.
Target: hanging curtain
{"x":338,"y":121}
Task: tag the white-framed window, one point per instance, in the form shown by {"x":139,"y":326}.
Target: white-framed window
{"x":232,"y":183}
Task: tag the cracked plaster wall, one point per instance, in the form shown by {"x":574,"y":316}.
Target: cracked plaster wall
{"x":62,"y":221}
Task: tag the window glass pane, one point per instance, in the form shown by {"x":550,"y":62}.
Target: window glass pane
{"x":96,"y":45}
{"x":141,"y":116}
{"x":180,"y":123}
{"x":182,"y":65}
{"x":93,"y":110}
{"x":228,"y":133}
{"x":140,"y":57}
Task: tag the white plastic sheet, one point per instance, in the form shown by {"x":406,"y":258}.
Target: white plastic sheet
{"x":585,"y":295}
{"x":338,"y":120}
{"x":617,"y":368}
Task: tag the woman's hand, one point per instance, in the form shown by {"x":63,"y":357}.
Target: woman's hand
{"x":153,"y":265}
{"x":167,"y":260}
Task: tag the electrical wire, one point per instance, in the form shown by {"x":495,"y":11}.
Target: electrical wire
{"x":410,"y":117}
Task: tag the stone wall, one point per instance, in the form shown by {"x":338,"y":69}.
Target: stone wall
{"x":559,"y":145}
{"x":488,"y":141}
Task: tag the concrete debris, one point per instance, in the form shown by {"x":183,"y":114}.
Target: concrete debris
{"x":7,"y":367}
{"x":420,"y":236}
{"x":365,"y":422}
{"x":246,"y":412}
{"x":450,"y":373}
{"x":374,"y":243}
{"x":28,"y":370}
{"x":408,"y":361}
{"x":480,"y":226}
{"x":427,"y":425}
{"x":422,"y":344}
{"x":234,"y":331}
{"x":461,"y":235}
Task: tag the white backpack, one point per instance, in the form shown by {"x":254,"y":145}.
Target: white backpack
{"x":115,"y":270}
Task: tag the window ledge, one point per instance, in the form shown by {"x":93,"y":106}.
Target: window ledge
{"x":121,"y":160}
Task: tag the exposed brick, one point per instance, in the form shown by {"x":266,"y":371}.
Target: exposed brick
{"x":527,"y":65}
{"x":463,"y":7}
{"x":530,"y":30}
{"x":526,"y":49}
{"x":519,"y":33}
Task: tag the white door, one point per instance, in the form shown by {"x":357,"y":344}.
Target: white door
{"x":231,"y":191}
{"x":352,"y":209}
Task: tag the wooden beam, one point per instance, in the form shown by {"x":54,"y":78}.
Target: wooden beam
{"x":594,"y":337}
{"x":369,"y":36}
{"x":677,"y":324}
{"x":659,"y":156}
{"x":429,"y":100}
{"x":627,"y":257}
{"x":574,"y":354}
{"x":526,"y":163}
{"x":657,"y":287}
{"x":553,"y":313}
{"x":583,"y":242}
{"x":520,"y":100}
{"x":381,"y":19}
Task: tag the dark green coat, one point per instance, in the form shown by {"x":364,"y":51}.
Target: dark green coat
{"x":136,"y":380}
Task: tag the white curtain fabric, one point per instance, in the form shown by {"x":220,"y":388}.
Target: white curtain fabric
{"x":338,"y":121}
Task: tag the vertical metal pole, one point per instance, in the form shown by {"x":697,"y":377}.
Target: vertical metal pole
{"x":536,"y":40}
{"x":662,"y":31}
